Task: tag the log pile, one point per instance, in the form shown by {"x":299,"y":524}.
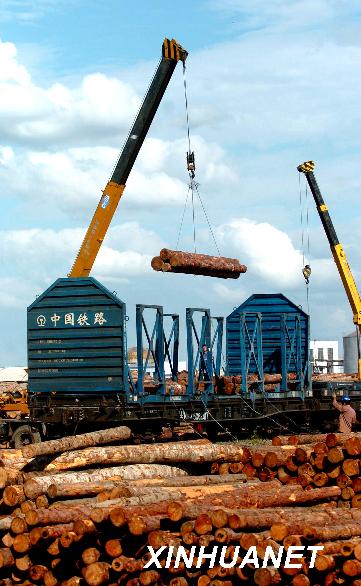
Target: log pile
{"x":175,"y":261}
{"x":89,"y":515}
{"x":309,"y":461}
{"x":223,"y":385}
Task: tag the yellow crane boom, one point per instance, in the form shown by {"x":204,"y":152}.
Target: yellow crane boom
{"x":337,"y":250}
{"x":172,"y":52}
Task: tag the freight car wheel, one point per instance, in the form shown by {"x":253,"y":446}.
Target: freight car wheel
{"x":24,"y":436}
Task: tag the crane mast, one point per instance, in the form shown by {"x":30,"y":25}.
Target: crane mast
{"x":337,"y":250}
{"x":172,"y":52}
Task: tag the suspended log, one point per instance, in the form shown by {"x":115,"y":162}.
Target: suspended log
{"x":197,"y":264}
{"x":154,"y":453}
{"x":74,"y":442}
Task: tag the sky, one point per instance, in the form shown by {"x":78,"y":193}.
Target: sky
{"x":269,"y":85}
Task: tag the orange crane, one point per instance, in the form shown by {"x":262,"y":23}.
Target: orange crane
{"x":172,"y":52}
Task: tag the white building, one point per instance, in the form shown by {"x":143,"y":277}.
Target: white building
{"x":324,"y":357}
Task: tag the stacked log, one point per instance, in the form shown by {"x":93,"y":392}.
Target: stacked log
{"x":103,"y":540}
{"x":330,"y":460}
{"x":175,"y":261}
{"x":73,"y":523}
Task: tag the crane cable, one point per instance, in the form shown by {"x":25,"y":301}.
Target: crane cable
{"x":191,"y":175}
{"x":305,"y":238}
{"x":193,"y":185}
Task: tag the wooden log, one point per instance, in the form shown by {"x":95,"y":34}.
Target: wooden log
{"x":333,"y":472}
{"x":335,"y":455}
{"x":203,"y":480}
{"x":301,"y":580}
{"x":18,"y":525}
{"x":13,"y":495}
{"x":331,"y":439}
{"x":90,"y":555}
{"x":352,"y":446}
{"x":7,"y":539}
{"x":34,"y":487}
{"x":200,"y":264}
{"x":347,"y":493}
{"x":351,"y":467}
{"x":23,"y":564}
{"x":49,"y":532}
{"x":342,"y":547}
{"x":74,"y":442}
{"x":320,"y":479}
{"x":356,"y":485}
{"x":6,"y":557}
{"x":84,"y":526}
{"x":147,"y":454}
{"x":5,"y":523}
{"x":352,"y":568}
{"x":158,"y":264}
{"x":324,"y":563}
{"x":334,"y":532}
{"x":277,"y":496}
{"x":21,"y":543}
{"x":343,"y":480}
{"x":9,"y":476}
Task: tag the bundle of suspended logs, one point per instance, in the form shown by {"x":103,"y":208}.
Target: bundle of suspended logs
{"x":175,"y":261}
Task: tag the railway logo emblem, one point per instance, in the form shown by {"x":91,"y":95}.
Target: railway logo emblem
{"x":41,"y":320}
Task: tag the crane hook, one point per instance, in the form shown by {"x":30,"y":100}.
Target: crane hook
{"x":191,"y":164}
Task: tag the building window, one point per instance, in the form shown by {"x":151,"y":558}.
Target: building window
{"x":320,"y":354}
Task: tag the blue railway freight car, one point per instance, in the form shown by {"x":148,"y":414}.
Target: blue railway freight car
{"x":269,"y":334}
{"x":76,"y":339}
{"x":79,"y":376}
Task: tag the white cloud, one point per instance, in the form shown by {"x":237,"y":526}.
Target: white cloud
{"x":260,"y":103}
{"x":15,"y":292}
{"x":99,"y":107}
{"x":269,"y":251}
{"x":228,"y":293}
{"x":44,"y":255}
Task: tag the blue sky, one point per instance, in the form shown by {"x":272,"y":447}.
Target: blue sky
{"x":270,"y":85}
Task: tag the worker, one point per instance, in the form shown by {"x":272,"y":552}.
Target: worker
{"x":347,"y":414}
{"x":306,"y":271}
{"x":204,"y":363}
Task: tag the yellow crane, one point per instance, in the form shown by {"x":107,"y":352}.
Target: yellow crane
{"x":337,"y":250}
{"x":172,"y":52}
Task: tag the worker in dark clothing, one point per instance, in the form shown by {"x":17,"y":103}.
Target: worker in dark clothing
{"x":347,"y":414}
{"x":204,"y":374}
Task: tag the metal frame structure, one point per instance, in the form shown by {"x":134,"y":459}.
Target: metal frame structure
{"x":291,"y":341}
{"x":291,"y":352}
{"x":153,"y":339}
{"x":252,"y":355}
{"x":173,"y":336}
{"x":202,"y":369}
